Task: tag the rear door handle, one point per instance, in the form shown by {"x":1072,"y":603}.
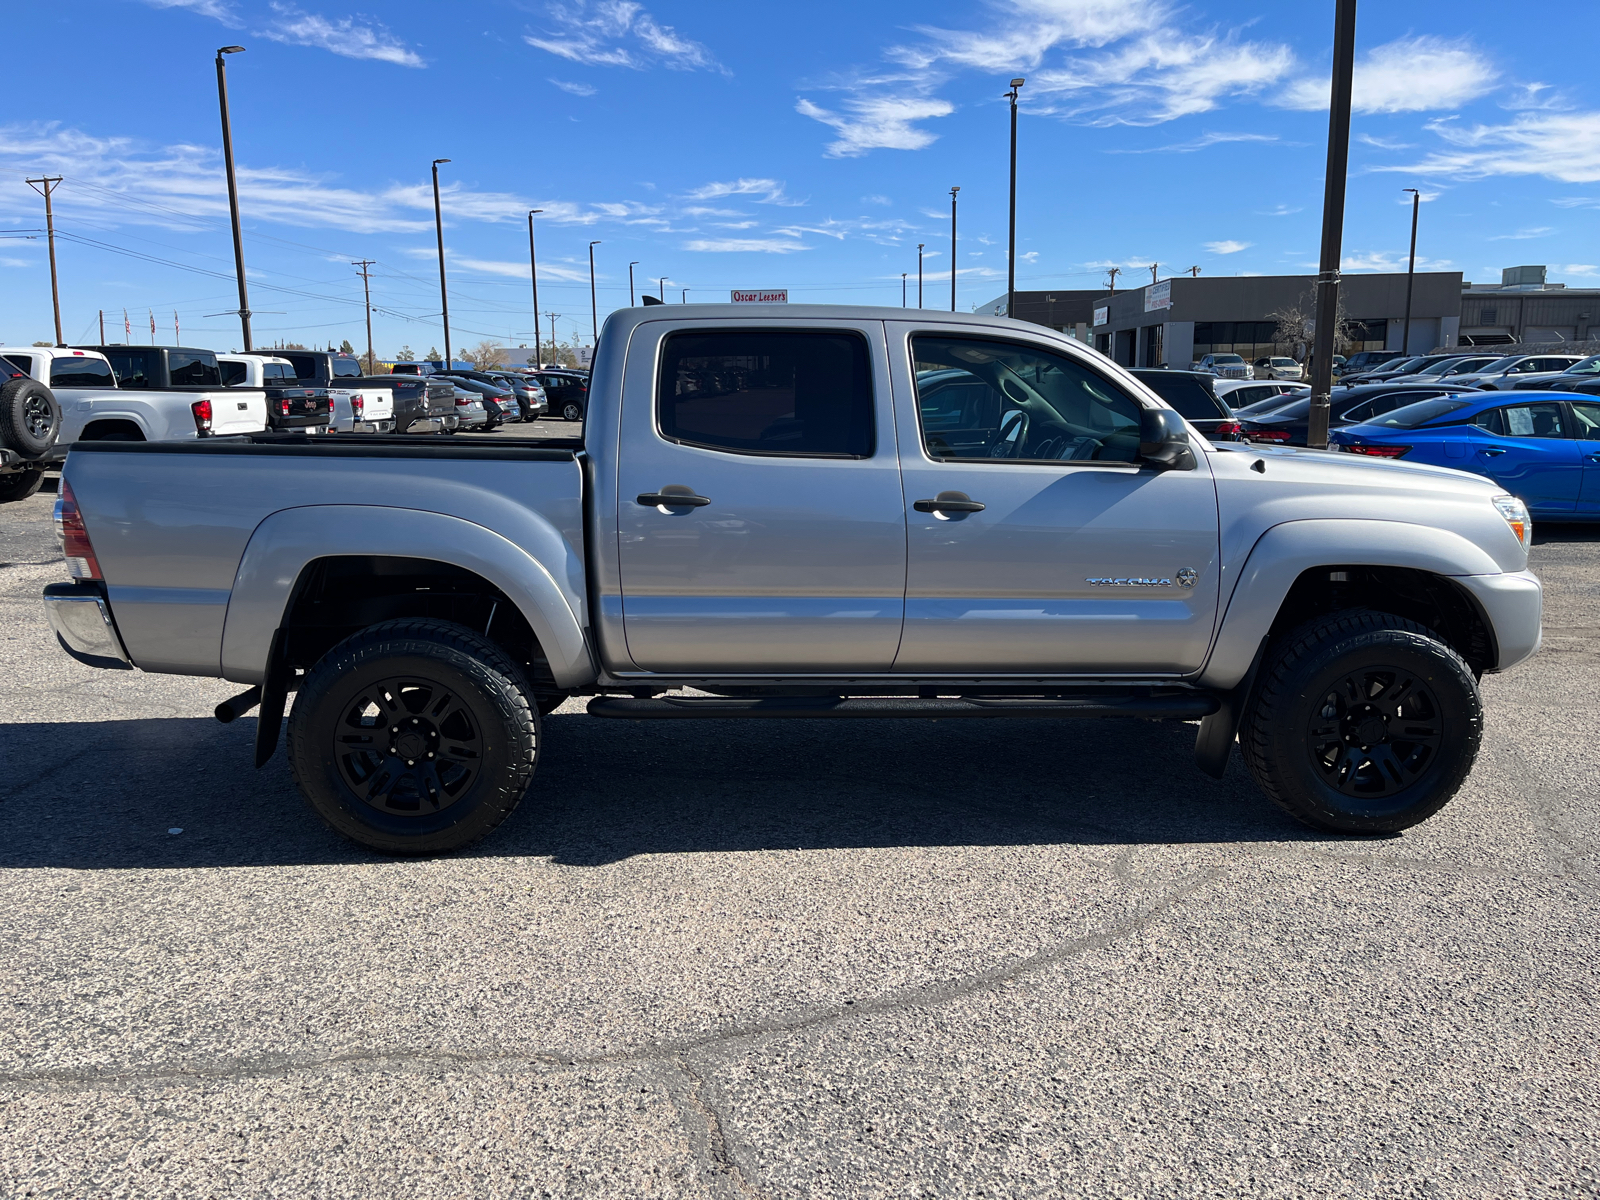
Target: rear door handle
{"x":674,"y":495}
{"x":1492,"y":451}
{"x":949,"y":502}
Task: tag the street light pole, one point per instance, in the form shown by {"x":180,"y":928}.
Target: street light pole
{"x":953,"y":192}
{"x":594,"y":307}
{"x":631,"y":266}
{"x":44,"y":186}
{"x":444,"y":295}
{"x":1411,"y":269}
{"x":533,"y":271}
{"x":233,"y":192}
{"x":1011,"y":246}
{"x":1344,"y":53}
{"x":903,"y":275}
{"x":920,"y":245}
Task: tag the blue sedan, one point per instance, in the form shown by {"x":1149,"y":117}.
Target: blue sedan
{"x":1542,"y":447}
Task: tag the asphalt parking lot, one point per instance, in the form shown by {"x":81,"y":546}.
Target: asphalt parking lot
{"x":790,"y":959}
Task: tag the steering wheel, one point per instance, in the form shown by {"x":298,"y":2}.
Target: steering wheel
{"x":1011,"y":436}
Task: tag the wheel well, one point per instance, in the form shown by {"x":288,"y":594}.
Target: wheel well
{"x":338,"y":596}
{"x":1432,"y":600}
{"x":112,"y":431}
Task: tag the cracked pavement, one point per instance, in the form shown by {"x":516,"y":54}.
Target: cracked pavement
{"x":790,"y":959}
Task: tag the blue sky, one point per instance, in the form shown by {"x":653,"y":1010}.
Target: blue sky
{"x":723,"y":144}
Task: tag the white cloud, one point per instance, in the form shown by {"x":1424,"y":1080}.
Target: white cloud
{"x":1564,"y":146}
{"x":1204,"y":142}
{"x":1283,"y":210}
{"x":1577,"y":202}
{"x":1160,"y":77}
{"x":1019,"y":33}
{"x":217,"y":10}
{"x":1228,"y":247}
{"x":877,"y":123}
{"x":1384,"y":260}
{"x":618,"y":33}
{"x":344,"y":36}
{"x":516,"y":270}
{"x":1578,"y":269}
{"x":745,"y":245}
{"x":875,"y":199}
{"x":766,"y":191}
{"x":577,"y":89}
{"x":1523,"y":235}
{"x":1367,"y":139}
{"x":1416,"y":74}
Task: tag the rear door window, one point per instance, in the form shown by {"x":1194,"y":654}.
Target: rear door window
{"x":1532,"y":421}
{"x":193,"y":368}
{"x":134,"y":368}
{"x":779,"y":392}
{"x":83,"y":372}
{"x":1588,"y":417}
{"x":233,"y":373}
{"x":280,"y":373}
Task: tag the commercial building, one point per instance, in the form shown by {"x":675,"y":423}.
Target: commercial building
{"x":1068,"y":312}
{"x":1524,"y":308}
{"x":1174,"y":322}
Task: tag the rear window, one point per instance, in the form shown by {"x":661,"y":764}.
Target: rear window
{"x":282,"y":372}
{"x":1413,"y":415}
{"x":22,"y":362}
{"x":193,"y":368}
{"x":134,"y":368}
{"x":347,"y":368}
{"x":1188,"y":395}
{"x":757,"y":392}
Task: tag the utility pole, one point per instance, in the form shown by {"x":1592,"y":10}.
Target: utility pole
{"x":177,"y":334}
{"x":1011,"y":243}
{"x":631,"y":266}
{"x":1195,"y":271}
{"x":1153,"y":267}
{"x":152,"y":327}
{"x":1411,"y":269}
{"x":953,"y":192}
{"x":366,"y":288}
{"x":685,"y":298}
{"x":919,"y":273}
{"x":594,"y":307}
{"x":102,"y":327}
{"x":533,"y":271}
{"x":438,"y":225}
{"x":233,"y":193}
{"x":44,"y":186}
{"x":127,"y":328}
{"x":1114,"y":272}
{"x":554,"y":317}
{"x":661,"y":289}
{"x":1344,"y":54}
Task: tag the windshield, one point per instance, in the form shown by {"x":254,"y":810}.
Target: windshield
{"x":1282,"y":362}
{"x":1501,"y":364}
{"x":1440,"y":367}
{"x":1230,"y":359}
{"x":1589,"y":366}
{"x":1419,"y":413}
{"x":1401,"y":366}
{"x":1291,"y":411}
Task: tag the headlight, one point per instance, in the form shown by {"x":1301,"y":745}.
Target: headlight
{"x":1516,"y":514}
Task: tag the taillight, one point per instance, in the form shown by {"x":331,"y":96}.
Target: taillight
{"x":462,"y":402}
{"x":1267,"y":435}
{"x":1228,"y":429}
{"x":1379,"y":451}
{"x":202,"y":416}
{"x":283,"y":407}
{"x":358,"y":405}
{"x":73,"y":537}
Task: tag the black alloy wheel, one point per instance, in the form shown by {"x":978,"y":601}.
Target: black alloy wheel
{"x":30,"y":418}
{"x":1362,"y":722}
{"x":414,"y":736}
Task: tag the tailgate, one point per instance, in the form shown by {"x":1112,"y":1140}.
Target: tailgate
{"x":237,"y":411}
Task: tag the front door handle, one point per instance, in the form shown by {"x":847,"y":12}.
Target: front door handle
{"x":1493,"y":451}
{"x":674,"y":495}
{"x":949,"y":502}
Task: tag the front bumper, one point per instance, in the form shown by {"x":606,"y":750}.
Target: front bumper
{"x":82,"y":622}
{"x":1513,"y":603}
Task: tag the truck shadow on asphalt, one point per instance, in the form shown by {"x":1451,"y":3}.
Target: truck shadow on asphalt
{"x":606,"y":790}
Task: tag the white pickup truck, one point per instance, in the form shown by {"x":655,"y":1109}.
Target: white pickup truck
{"x":824,"y":513}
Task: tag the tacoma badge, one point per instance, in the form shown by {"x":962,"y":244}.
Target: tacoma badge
{"x":1133,"y":582}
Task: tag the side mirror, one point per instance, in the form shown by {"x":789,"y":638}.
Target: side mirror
{"x":1164,"y":440}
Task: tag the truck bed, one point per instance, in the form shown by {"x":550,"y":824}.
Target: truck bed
{"x":171,"y":521}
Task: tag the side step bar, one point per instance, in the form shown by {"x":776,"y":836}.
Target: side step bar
{"x":1183,"y":705}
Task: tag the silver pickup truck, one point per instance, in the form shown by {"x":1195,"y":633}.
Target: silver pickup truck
{"x":808,"y":512}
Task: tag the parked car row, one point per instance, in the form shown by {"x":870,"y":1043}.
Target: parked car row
{"x":53,"y":397}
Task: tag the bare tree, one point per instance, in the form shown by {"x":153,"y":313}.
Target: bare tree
{"x":1294,"y":328}
{"x":405,"y":355}
{"x":485,"y":354}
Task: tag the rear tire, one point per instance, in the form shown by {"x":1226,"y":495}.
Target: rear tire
{"x":19,"y":485}
{"x":572,"y":411}
{"x":1362,"y":722}
{"x":414,"y":737}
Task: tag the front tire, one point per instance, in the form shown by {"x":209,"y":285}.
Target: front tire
{"x":414,"y":737}
{"x":1363,"y":722}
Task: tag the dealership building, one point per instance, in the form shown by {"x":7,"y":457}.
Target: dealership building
{"x":1174,"y":322}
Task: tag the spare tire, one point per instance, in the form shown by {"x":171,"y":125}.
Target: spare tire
{"x":30,"y":418}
